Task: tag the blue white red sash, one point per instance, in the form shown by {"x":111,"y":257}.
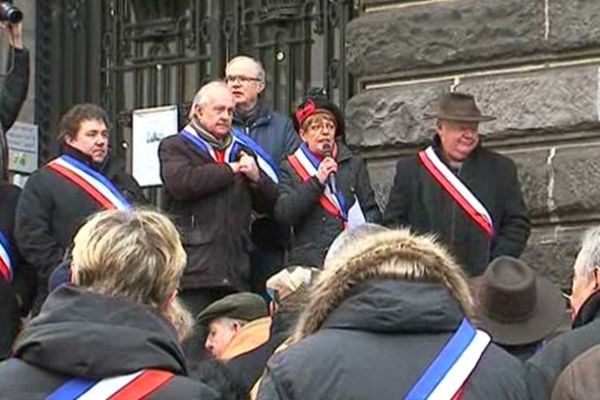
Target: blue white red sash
{"x":138,"y":385}
{"x":240,"y":141}
{"x":6,"y":263}
{"x":92,"y":182}
{"x":306,"y":166}
{"x":446,"y":376}
{"x":457,"y":190}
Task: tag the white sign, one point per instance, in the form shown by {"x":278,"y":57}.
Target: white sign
{"x":150,"y":126}
{"x":22,"y":142}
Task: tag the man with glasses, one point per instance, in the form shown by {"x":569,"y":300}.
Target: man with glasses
{"x":275,"y":133}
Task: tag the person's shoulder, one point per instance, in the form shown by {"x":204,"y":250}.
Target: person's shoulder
{"x":171,"y":140}
{"x":277,"y":117}
{"x":183,"y":387}
{"x":497,"y":375}
{"x":495,"y":158}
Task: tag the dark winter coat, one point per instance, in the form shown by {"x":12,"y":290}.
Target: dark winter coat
{"x":86,"y":335}
{"x":544,"y":368}
{"x":51,"y":209}
{"x":247,"y":368}
{"x":378,"y":342}
{"x":313,"y":228}
{"x":212,"y":208}
{"x":15,"y":296}
{"x":580,"y":379}
{"x":416,"y":200}
{"x":12,"y":96}
{"x":275,"y":133}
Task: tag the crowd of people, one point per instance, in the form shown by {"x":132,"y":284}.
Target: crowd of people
{"x":272,"y":272}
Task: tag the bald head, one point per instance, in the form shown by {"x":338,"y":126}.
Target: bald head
{"x":213,"y":108}
{"x":245,"y":77}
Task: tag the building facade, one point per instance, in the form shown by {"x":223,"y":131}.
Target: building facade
{"x":535,"y":64}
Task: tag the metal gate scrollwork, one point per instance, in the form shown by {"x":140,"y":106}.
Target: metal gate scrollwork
{"x":130,"y":54}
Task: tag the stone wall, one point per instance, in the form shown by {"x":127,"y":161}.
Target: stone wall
{"x":535,"y":64}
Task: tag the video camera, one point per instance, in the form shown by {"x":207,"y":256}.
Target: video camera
{"x":9,"y":12}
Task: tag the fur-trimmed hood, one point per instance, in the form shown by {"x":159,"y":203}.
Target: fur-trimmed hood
{"x":414,"y":261}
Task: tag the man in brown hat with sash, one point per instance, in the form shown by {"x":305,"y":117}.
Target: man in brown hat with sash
{"x":468,"y":195}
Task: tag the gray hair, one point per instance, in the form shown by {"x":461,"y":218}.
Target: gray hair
{"x":347,"y":238}
{"x":589,"y":255}
{"x":259,"y":67}
{"x":202,"y":96}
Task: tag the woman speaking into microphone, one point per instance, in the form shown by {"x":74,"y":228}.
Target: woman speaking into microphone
{"x":324,"y":188}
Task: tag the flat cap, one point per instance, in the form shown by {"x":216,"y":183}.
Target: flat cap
{"x":245,"y":306}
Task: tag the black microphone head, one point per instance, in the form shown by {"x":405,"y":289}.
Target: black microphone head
{"x":327,"y":150}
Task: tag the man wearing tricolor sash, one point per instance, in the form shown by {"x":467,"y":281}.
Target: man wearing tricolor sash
{"x":468,"y":195}
{"x":324,"y":187}
{"x":59,"y":196}
{"x":113,"y":333}
{"x":390,"y":319}
{"x":16,"y":280}
{"x":215,"y":178}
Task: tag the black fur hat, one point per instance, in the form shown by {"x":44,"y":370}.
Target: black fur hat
{"x":316,"y":99}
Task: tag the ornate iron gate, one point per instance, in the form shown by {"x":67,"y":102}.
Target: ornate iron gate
{"x":129,"y":54}
{"x":159,"y":52}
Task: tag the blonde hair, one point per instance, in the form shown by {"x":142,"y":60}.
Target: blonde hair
{"x":392,"y":254}
{"x":135,"y":255}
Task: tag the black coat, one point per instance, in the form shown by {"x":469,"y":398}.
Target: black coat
{"x":378,"y":342}
{"x":544,"y":368}
{"x":15,"y":297}
{"x":12,"y":95}
{"x":86,"y":335}
{"x":212,"y":208}
{"x":247,"y":368}
{"x":276,"y":135}
{"x":418,"y":201}
{"x":313,"y":228}
{"x":52,"y":208}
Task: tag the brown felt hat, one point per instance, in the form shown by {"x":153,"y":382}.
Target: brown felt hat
{"x":459,"y":107}
{"x":515,"y":306}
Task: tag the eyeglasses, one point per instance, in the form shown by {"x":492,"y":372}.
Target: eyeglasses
{"x":241,"y":79}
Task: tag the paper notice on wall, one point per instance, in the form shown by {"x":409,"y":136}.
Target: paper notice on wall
{"x":23,"y":143}
{"x":150,"y":126}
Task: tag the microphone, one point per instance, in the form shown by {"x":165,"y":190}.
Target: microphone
{"x":328,"y":152}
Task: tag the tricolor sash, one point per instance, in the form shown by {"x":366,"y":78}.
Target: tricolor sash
{"x":446,"y":376}
{"x":457,"y":190}
{"x":138,"y":385}
{"x":240,"y":141}
{"x":96,"y":185}
{"x":6,"y":263}
{"x":306,"y":166}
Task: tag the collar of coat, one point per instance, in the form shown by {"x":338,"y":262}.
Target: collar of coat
{"x":589,"y":311}
{"x":251,"y":336}
{"x":364,"y":261}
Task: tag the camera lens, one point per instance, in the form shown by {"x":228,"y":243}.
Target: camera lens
{"x":10,"y":13}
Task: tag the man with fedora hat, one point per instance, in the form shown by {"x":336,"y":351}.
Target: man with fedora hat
{"x":516,"y":307}
{"x":469,"y":196}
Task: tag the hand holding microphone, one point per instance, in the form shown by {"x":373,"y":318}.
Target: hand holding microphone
{"x":327,"y":168}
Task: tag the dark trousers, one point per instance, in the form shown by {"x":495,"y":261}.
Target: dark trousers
{"x":265,"y":261}
{"x":197,"y":300}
